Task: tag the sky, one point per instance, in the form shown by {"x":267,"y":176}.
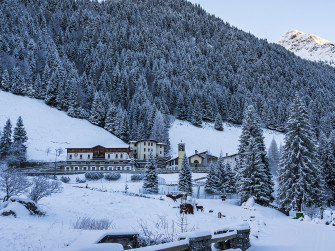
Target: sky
{"x":270,"y":19}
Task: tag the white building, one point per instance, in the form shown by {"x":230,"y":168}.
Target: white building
{"x":140,"y":149}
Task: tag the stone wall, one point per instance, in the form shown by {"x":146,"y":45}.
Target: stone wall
{"x":242,"y":240}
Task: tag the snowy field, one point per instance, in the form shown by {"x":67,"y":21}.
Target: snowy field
{"x":50,"y":128}
{"x":207,"y":138}
{"x":270,"y":229}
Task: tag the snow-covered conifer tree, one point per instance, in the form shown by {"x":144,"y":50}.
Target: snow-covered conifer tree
{"x":327,"y":162}
{"x":6,"y":140}
{"x":212,"y":181}
{"x":218,"y":125}
{"x":254,"y":177}
{"x":158,"y":128}
{"x":273,"y":156}
{"x":97,"y":111}
{"x":150,"y":183}
{"x":185,"y":176}
{"x":300,"y":181}
{"x":19,"y":149}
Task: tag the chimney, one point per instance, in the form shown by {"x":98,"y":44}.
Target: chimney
{"x":196,"y":151}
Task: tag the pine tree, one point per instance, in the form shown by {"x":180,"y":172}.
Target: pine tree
{"x":97,"y":111}
{"x":327,"y":162}
{"x":6,"y":140}
{"x":212,"y":180}
{"x":218,"y":124}
{"x":158,"y":129}
{"x":273,"y":156}
{"x":185,"y":176}
{"x":226,"y":177}
{"x":5,"y":85}
{"x":254,"y":177}
{"x":19,"y":149}
{"x":300,"y":181}
{"x":150,"y":183}
{"x":196,"y":116}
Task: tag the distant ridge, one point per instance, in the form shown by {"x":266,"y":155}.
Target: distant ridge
{"x":309,"y":46}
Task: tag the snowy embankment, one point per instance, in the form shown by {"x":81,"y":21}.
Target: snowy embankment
{"x":207,"y":138}
{"x":48,"y":127}
{"x":270,"y":229}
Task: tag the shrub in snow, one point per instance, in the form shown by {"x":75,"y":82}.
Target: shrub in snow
{"x":12,"y":183}
{"x":137,"y":177}
{"x":112,"y":176}
{"x":87,"y":223}
{"x":157,"y":232}
{"x":43,"y":187}
{"x":65,"y":179}
{"x":94,"y":176}
{"x":21,"y":207}
{"x":79,"y":180}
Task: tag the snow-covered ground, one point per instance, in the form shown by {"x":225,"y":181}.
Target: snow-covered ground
{"x":207,"y":138}
{"x":270,"y":229}
{"x":48,"y":127}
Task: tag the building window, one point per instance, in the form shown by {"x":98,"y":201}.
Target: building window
{"x":160,"y":152}
{"x":88,"y":156}
{"x":143,"y":156}
{"x":152,"y":144}
{"x":144,"y":143}
{"x":144,"y":149}
{"x":70,"y":156}
{"x":109,"y":156}
{"x":121,"y":156}
{"x":81,"y":156}
{"x":116,"y":156}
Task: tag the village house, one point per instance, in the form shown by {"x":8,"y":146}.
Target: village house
{"x":98,"y":158}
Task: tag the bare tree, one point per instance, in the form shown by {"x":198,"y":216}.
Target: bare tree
{"x":47,"y":151}
{"x":43,"y":187}
{"x":59,"y":151}
{"x":13,"y":183}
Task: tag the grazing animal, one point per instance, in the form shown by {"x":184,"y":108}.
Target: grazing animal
{"x":178,"y":196}
{"x":186,"y":208}
{"x":199,"y":207}
{"x":172,"y":197}
{"x":223,"y":197}
{"x":210,"y":211}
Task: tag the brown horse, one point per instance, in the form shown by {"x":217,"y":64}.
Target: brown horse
{"x":186,"y":208}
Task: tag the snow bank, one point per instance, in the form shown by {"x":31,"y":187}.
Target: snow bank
{"x":17,"y":208}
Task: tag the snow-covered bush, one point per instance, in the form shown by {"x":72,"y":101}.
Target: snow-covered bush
{"x":20,"y":207}
{"x":43,"y":187}
{"x":87,"y":223}
{"x":94,"y":176}
{"x":13,"y":183}
{"x":137,"y":177}
{"x":65,"y":179}
{"x":79,"y":180}
{"x":112,"y":176}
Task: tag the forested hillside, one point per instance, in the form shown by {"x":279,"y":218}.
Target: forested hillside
{"x":116,"y":62}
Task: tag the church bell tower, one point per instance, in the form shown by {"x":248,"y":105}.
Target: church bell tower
{"x":181,"y":152}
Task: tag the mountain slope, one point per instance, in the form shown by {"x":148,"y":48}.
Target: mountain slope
{"x":207,"y":138}
{"x":49,"y":127}
{"x":138,"y":56}
{"x":309,"y":46}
